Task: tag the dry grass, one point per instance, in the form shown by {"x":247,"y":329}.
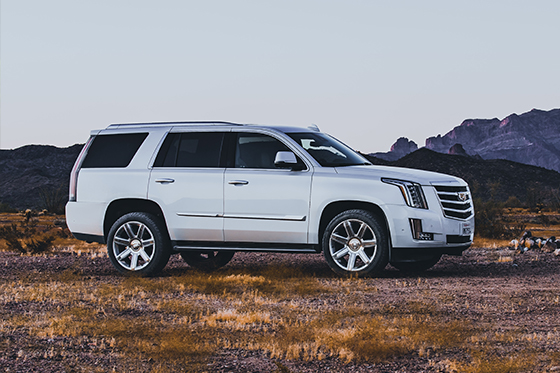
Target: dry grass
{"x":42,"y":232}
{"x":185,"y":319}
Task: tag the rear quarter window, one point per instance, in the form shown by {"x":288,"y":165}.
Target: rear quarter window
{"x":113,"y":151}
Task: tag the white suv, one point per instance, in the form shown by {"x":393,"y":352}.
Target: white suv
{"x":208,"y":189}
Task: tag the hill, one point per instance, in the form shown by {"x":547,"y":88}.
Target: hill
{"x":33,"y":172}
{"x":531,"y":138}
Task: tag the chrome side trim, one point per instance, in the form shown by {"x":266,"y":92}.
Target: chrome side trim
{"x":253,"y":217}
{"x":200,"y":215}
{"x":268,"y":217}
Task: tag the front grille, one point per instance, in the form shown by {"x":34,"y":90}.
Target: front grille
{"x":455,"y":201}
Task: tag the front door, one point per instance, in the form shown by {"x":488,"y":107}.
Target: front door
{"x":263,"y":203}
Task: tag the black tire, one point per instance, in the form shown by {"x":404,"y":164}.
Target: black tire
{"x":354,"y":243}
{"x":207,"y":261}
{"x":137,"y":244}
{"x":418,"y":266}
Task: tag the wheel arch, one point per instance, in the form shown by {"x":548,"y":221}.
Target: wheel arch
{"x":120,"y":207}
{"x":335,"y":208}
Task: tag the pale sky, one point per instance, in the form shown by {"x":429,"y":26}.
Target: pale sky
{"x":364,"y":71}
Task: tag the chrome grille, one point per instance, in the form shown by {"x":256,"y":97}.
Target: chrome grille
{"x":455,"y":201}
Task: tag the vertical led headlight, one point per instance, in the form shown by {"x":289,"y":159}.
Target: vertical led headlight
{"x":412,"y":192}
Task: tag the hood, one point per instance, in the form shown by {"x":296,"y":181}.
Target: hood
{"x":419,"y":176}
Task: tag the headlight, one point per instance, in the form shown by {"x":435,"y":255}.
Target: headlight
{"x":412,"y":192}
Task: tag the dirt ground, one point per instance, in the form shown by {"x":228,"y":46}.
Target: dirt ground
{"x":512,"y":300}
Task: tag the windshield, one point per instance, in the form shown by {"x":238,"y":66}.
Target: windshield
{"x":328,"y":151}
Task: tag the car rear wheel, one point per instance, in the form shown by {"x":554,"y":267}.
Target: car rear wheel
{"x":354,"y":242}
{"x":207,"y":260}
{"x":137,"y":244}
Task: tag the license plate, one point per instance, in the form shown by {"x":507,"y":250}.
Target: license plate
{"x":467,"y":229}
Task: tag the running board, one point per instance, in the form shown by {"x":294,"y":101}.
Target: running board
{"x":294,"y":250}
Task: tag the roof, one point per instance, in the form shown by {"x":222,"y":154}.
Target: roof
{"x":285,"y":129}
{"x":155,"y":124}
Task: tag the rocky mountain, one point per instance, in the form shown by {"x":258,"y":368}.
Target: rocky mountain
{"x":33,"y":173}
{"x":532,"y":138}
{"x":399,"y":149}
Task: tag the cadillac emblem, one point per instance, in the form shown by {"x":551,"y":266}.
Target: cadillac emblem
{"x":463,"y":196}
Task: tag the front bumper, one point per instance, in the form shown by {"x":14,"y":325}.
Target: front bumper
{"x":441,"y":232}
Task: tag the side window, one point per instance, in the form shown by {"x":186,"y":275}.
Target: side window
{"x":253,"y":150}
{"x":113,"y":151}
{"x":190,"y":149}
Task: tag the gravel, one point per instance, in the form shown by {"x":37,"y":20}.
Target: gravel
{"x":487,"y":286}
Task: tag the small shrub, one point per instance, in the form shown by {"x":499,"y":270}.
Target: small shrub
{"x":13,"y":238}
{"x":489,"y":219}
{"x":54,"y":199}
{"x":40,"y":245}
{"x":543,"y":198}
{"x":555,"y":200}
{"x":515,"y":229}
{"x":26,"y":240}
{"x":4,"y":207}
{"x":513,"y":202}
{"x":543,"y":219}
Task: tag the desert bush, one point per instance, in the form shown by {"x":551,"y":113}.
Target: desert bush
{"x":513,"y":202}
{"x":39,"y":244}
{"x":534,"y":198}
{"x":54,"y":199}
{"x":543,"y":198}
{"x":489,"y":219}
{"x":514,"y":229}
{"x":543,"y":219}
{"x":555,"y":200}
{"x":494,"y":189}
{"x":492,"y":223}
{"x":13,"y":238}
{"x":26,"y":240}
{"x":4,"y":207}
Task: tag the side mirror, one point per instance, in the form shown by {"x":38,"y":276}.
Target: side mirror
{"x":287,"y":160}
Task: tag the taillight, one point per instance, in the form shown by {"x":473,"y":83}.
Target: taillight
{"x":75,"y":170}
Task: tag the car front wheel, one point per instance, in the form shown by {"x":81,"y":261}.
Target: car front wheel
{"x":137,"y":244}
{"x":354,"y":242}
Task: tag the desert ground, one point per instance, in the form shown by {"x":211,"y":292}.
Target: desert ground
{"x":68,"y":310}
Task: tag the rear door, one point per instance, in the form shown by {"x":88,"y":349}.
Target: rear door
{"x":187,"y":182}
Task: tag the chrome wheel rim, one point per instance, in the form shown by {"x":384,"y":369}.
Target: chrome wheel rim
{"x":134,"y":245}
{"x":353,"y":245}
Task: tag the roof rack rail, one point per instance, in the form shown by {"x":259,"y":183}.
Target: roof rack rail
{"x":200,"y":123}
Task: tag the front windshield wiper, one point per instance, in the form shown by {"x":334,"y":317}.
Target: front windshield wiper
{"x":350,"y":164}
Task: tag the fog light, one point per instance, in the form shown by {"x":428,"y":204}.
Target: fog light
{"x":417,"y":234}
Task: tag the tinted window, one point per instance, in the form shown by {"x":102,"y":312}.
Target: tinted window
{"x":113,"y":150}
{"x":192,"y":149}
{"x":167,"y":155}
{"x":328,"y":151}
{"x":254,"y":150}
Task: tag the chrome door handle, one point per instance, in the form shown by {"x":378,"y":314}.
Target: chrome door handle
{"x":165,"y":181}
{"x":238,"y":182}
